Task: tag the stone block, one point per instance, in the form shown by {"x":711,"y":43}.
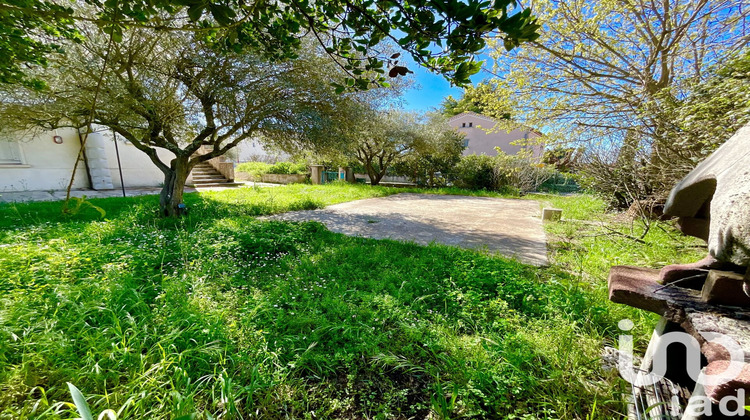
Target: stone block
{"x":551,"y":214}
{"x":725,"y":288}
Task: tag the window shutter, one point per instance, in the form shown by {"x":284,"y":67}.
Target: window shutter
{"x":10,"y":153}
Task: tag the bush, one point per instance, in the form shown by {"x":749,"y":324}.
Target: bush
{"x":503,"y":172}
{"x":561,"y":182}
{"x":522,"y":171}
{"x":256,"y":169}
{"x":288,"y":168}
{"x":476,"y":172}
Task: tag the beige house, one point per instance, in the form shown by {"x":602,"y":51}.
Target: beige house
{"x":481,"y":138}
{"x":43,"y":161}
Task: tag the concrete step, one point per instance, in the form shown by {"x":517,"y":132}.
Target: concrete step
{"x":209,"y":180}
{"x":207,"y":176}
{"x":218,"y":184}
{"x":204,"y":175}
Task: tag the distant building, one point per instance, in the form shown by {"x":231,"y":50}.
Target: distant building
{"x":482,"y":139}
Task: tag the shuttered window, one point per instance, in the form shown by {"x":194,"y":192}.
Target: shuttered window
{"x":10,"y":153}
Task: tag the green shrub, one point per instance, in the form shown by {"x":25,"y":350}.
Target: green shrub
{"x":288,"y":168}
{"x":504,"y":172}
{"x":476,"y":172}
{"x":521,"y":171}
{"x":561,"y":183}
{"x":255,"y":169}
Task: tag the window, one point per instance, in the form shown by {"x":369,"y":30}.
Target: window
{"x":10,"y":153}
{"x":466,"y":142}
{"x":463,"y":125}
{"x":470,"y":124}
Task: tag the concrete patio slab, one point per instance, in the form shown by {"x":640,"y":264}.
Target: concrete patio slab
{"x":509,"y":227}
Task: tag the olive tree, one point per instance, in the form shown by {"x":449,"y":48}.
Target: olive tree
{"x":436,"y":148}
{"x":380,"y":139}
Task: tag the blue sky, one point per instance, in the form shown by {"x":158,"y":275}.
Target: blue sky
{"x":430,"y":89}
{"x":428,"y":92}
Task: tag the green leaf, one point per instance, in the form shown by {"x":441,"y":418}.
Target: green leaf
{"x":80,"y":402}
{"x":195,"y":12}
{"x":223,"y":14}
{"x":339,"y":88}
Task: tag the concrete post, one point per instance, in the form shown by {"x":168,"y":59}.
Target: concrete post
{"x":316,"y":175}
{"x":96,"y":154}
{"x":350,"y":175}
{"x":346,"y":174}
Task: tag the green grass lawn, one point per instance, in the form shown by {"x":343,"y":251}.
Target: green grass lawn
{"x":224,"y":316}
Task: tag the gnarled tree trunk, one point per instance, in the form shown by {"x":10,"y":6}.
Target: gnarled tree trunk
{"x":375,"y":175}
{"x":174,"y":186}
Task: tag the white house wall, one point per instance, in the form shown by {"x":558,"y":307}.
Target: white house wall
{"x":137,"y":168}
{"x":482,"y":139}
{"x":44,"y":164}
{"x":47,"y":166}
{"x":252,"y":150}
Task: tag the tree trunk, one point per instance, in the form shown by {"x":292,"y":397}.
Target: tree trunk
{"x":170,"y":199}
{"x":375,"y":176}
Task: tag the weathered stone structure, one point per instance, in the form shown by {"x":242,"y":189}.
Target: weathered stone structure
{"x":713,"y":201}
{"x":707,"y":301}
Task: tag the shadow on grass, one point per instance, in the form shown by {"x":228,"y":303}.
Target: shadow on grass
{"x":144,"y":210}
{"x":208,"y":205}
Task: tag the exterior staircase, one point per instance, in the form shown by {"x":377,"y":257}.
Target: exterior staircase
{"x":204,"y":176}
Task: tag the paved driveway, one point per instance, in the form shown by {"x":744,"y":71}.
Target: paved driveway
{"x":506,"y":226}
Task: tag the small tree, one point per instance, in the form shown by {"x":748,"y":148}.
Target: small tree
{"x":381,"y":139}
{"x":436,"y":149}
{"x":606,"y":74}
